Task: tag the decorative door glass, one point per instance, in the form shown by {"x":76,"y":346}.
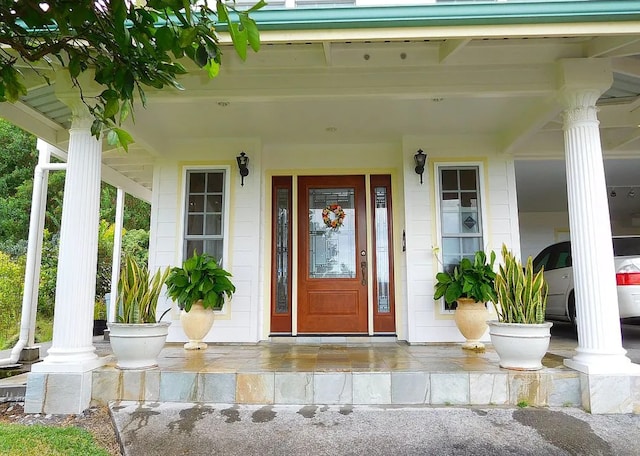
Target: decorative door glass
{"x":332,"y":236}
{"x":382,"y":249}
{"x":282,"y":250}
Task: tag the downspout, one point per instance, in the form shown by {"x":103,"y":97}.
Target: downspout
{"x":117,"y":251}
{"x":29,"y":301}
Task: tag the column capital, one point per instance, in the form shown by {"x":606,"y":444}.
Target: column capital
{"x":582,"y":81}
{"x":81,"y":118}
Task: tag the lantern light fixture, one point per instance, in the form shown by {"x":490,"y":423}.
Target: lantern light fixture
{"x":243,"y":166}
{"x":420,"y":159}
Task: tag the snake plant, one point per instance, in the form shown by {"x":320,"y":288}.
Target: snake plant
{"x":522,"y":294}
{"x":138,"y":292}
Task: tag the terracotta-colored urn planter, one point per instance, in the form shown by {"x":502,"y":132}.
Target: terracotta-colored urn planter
{"x":196,"y":324}
{"x":471,"y":320}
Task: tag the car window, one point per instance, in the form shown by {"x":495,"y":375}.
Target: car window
{"x":542,"y":259}
{"x":561,"y":257}
{"x":563,"y":260}
{"x":627,"y":246}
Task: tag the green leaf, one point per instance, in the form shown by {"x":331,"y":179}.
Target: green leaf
{"x":223,"y":12}
{"x":124,"y":138}
{"x":187,"y":37}
{"x":257,"y":6}
{"x":165,"y":38}
{"x":201,"y":56}
{"x":212,"y":68}
{"x":111,"y":108}
{"x":253,"y":35}
{"x":239,"y":38}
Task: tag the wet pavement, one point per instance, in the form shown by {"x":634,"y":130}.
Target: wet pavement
{"x":224,"y":429}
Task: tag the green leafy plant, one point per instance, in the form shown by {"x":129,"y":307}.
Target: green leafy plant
{"x":200,"y":277}
{"x":522,"y":295}
{"x":473,"y":280}
{"x":138,"y":292}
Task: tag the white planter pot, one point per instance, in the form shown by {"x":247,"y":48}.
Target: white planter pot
{"x":196,"y":324}
{"x":137,"y":346}
{"x":471,"y":320}
{"x":520,"y":346}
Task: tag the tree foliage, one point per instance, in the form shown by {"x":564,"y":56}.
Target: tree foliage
{"x":127,"y":46}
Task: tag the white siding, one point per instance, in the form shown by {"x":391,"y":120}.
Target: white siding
{"x":426,"y":322}
{"x":239,"y":320}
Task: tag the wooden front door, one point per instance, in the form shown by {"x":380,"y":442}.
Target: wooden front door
{"x":332,"y":259}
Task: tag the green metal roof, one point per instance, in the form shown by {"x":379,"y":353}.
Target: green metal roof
{"x":450,"y":14}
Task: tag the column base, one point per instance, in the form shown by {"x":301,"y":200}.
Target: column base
{"x":69,"y":361}
{"x":591,"y":363}
{"x":58,"y":393}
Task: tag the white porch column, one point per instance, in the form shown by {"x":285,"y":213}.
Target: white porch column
{"x":599,"y":337}
{"x":61,"y":383}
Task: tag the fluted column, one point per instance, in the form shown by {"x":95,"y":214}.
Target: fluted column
{"x":599,"y":336}
{"x":72,"y":347}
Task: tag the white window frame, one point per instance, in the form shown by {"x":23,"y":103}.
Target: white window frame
{"x":438,"y":166}
{"x":226,"y":170}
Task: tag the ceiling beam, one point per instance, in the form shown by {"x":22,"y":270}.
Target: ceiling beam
{"x":326,"y":49}
{"x":527,"y":125}
{"x":612,"y":46}
{"x":450,"y":47}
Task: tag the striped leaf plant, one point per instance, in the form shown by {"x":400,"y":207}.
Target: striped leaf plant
{"x":138,"y":292}
{"x":522,"y":294}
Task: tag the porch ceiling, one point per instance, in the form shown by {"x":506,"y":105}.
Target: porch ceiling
{"x":498,"y":94}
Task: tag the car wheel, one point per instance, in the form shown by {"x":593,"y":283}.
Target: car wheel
{"x":571,"y":308}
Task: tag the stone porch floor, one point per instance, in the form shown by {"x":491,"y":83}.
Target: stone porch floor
{"x":340,"y":371}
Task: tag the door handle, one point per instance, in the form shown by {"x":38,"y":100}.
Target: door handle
{"x":565,"y":276}
{"x":363,"y":266}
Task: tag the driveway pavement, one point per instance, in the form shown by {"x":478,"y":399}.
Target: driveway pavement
{"x":218,"y":429}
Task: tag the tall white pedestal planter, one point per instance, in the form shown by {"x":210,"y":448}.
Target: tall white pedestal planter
{"x":520,"y":346}
{"x":137,"y":345}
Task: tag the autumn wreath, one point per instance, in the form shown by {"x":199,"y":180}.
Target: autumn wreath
{"x":338,"y":216}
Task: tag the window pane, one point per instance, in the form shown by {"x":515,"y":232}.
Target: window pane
{"x":382,"y":250}
{"x":450,"y":223}
{"x":214,"y":225}
{"x":191,"y":246}
{"x":470,"y":246}
{"x":215,"y":182}
{"x":196,"y":182}
{"x":282,"y":251}
{"x":214,"y":203}
{"x":196,"y":203}
{"x":332,"y":250}
{"x":449,"y":179}
{"x":214,"y":248}
{"x":452,"y":246}
{"x":195,"y":224}
{"x":468,"y":179}
{"x":469,"y":199}
{"x":469,"y":221}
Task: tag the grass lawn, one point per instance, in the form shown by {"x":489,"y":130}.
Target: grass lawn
{"x":16,"y":439}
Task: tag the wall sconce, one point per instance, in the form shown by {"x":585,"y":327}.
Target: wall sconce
{"x":420,"y":159}
{"x":243,"y":162}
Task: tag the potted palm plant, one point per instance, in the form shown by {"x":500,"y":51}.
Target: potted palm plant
{"x":471,"y":286}
{"x":136,"y":338}
{"x":199,"y":288}
{"x":520,"y":336}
